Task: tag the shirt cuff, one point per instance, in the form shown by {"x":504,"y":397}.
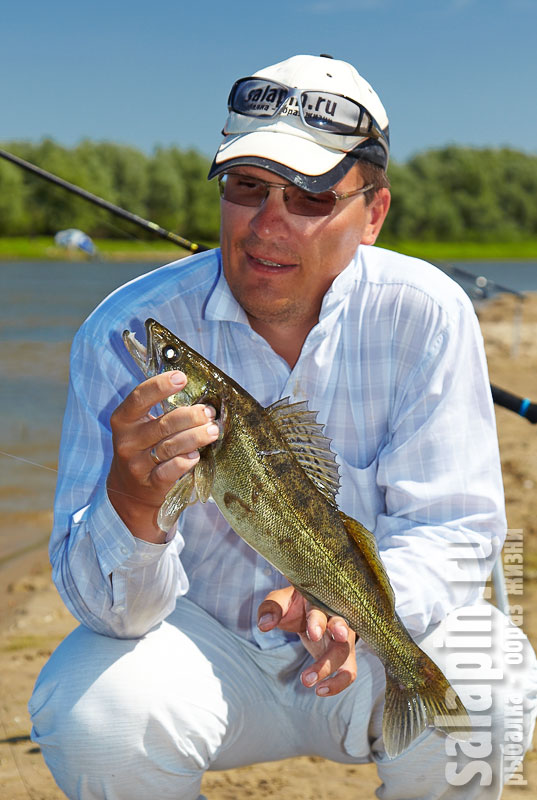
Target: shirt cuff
{"x":115,"y":546}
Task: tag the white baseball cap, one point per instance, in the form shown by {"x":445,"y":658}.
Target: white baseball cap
{"x":308,"y":119}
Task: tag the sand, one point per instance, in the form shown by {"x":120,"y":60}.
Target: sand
{"x":33,"y":619}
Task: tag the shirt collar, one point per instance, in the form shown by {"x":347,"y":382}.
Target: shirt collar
{"x":221,"y":305}
{"x":340,"y":288}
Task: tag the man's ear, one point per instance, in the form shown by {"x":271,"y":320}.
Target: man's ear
{"x":377,"y":211}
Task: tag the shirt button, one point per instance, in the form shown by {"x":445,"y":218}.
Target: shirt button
{"x":125,"y":551}
{"x":267,"y":571}
{"x":120,"y":608}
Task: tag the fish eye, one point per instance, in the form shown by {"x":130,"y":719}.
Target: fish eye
{"x":169,"y":353}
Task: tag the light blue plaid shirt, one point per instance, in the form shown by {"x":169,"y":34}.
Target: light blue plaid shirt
{"x":396,"y":370}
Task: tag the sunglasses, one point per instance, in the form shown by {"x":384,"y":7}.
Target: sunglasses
{"x":244,"y":190}
{"x":325,"y":111}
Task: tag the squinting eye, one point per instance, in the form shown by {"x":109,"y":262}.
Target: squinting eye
{"x":244,"y":183}
{"x":315,"y":199}
{"x":169,"y":353}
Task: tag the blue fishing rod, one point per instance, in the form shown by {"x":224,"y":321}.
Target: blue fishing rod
{"x":520,"y":405}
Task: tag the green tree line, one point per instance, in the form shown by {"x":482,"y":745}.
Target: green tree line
{"x":168,"y":187}
{"x":449,"y":194}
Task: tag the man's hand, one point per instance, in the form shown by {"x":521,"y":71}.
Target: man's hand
{"x":136,"y":484}
{"x":328,"y":639}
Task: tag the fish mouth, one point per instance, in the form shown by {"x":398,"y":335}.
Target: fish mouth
{"x":145,"y":356}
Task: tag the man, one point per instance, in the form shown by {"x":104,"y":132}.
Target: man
{"x":188,"y":657}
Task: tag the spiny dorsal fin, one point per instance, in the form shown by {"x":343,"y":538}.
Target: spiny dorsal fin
{"x":300,"y":429}
{"x":367,"y":545}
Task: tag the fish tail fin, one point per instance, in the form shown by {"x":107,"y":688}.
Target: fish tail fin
{"x":409,"y":710}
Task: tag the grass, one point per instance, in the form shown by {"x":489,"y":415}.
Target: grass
{"x":466,"y":251}
{"x":43,"y":248}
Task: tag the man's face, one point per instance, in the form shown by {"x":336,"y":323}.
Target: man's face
{"x":280,"y":265}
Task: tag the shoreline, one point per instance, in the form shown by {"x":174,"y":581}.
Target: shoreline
{"x":42,"y":248}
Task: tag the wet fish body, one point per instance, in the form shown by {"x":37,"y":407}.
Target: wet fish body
{"x":275,"y":479}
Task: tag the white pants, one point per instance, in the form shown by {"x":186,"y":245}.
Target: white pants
{"x":137,"y":719}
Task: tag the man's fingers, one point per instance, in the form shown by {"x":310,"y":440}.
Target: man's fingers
{"x":199,"y":432}
{"x":316,"y":623}
{"x":339,"y":629}
{"x":329,"y":640}
{"x":333,"y":672}
{"x":168,"y":472}
{"x":337,"y":683}
{"x":269,"y":614}
{"x":147,"y":394}
{"x":151,"y":453}
{"x":179,"y":432}
{"x":335,"y":666}
{"x":283,"y":606}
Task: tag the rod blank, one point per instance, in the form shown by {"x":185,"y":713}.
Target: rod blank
{"x":98,"y":201}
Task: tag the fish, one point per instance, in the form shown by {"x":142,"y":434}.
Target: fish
{"x":274,"y":477}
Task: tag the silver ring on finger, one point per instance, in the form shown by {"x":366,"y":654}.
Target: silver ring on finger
{"x":154,"y":456}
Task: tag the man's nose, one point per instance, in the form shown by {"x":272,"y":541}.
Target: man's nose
{"x":271,"y":218}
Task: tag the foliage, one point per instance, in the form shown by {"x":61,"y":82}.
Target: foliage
{"x":452,"y":194}
{"x":168,"y":187}
{"x":464,"y":194}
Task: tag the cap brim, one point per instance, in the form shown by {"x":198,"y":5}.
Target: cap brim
{"x":291,"y":157}
{"x":294,"y":151}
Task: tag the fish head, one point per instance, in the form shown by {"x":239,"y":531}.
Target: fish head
{"x":165,"y":352}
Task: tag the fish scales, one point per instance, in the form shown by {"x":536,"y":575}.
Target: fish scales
{"x":273,"y":477}
{"x":263,"y":505}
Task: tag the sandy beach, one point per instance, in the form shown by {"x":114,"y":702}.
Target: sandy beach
{"x":33,"y":619}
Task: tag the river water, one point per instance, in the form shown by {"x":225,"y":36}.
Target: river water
{"x":41,"y":306}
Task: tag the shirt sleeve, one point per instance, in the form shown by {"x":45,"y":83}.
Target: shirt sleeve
{"x":112,"y":582}
{"x":443,"y":524}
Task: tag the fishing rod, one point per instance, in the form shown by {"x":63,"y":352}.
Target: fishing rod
{"x":98,"y":201}
{"x":520,"y":405}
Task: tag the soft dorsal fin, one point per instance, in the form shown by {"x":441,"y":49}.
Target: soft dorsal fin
{"x":300,"y":429}
{"x":367,"y":544}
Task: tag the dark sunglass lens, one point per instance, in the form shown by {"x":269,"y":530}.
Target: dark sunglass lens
{"x":257,"y":97}
{"x":243,"y":190}
{"x":307,"y":204}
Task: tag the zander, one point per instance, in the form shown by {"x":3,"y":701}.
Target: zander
{"x":275,"y":479}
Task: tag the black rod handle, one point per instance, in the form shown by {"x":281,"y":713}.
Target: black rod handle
{"x":520,"y":405}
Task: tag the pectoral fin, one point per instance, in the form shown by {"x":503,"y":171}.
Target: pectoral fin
{"x":182,"y":494}
{"x":204,"y":472}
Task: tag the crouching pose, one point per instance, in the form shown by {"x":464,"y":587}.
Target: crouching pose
{"x":193,"y":652}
